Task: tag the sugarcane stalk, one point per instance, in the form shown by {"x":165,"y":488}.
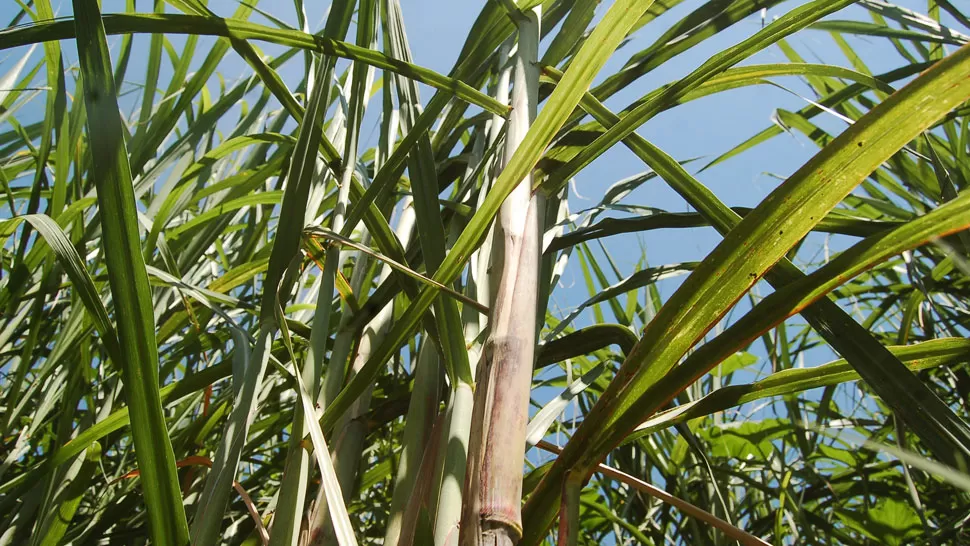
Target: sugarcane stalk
{"x":492,"y":261}
{"x":572,"y":487}
{"x":482,"y":285}
{"x":288,"y":519}
{"x":449,"y":466}
{"x":491,"y":512}
{"x":423,"y":485}
{"x":353,"y":430}
{"x":453,"y":451}
{"x":416,"y":443}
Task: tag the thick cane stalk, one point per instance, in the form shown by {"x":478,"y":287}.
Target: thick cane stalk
{"x":493,"y":487}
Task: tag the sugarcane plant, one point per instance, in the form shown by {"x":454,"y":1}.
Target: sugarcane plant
{"x":234,"y":313}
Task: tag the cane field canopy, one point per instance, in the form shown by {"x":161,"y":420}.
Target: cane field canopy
{"x":493,"y":272}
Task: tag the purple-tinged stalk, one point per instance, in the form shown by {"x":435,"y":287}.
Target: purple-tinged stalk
{"x":453,"y":452}
{"x":491,"y":511}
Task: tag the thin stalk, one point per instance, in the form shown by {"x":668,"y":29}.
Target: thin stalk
{"x":353,"y":429}
{"x":489,"y":289}
{"x":453,"y":462}
{"x":288,"y":516}
{"x":415,"y":443}
{"x":361,"y":76}
{"x":572,"y":488}
{"x":425,"y":393}
{"x":302,"y":170}
{"x":556,"y":210}
{"x":418,"y":508}
{"x":491,"y":512}
{"x":320,"y":529}
{"x":453,"y":451}
{"x":425,"y":188}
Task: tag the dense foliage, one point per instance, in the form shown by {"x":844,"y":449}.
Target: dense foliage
{"x":232,"y":316}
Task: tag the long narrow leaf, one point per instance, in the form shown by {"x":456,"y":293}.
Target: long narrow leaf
{"x":129,"y":281}
{"x":757,"y":243}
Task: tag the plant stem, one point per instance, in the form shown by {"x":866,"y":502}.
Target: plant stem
{"x":493,"y":486}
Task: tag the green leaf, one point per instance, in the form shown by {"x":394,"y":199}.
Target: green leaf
{"x":243,"y":30}
{"x":891,"y":522}
{"x":81,"y":281}
{"x":749,"y":251}
{"x":129,"y":280}
{"x":799,"y":294}
{"x":591,"y":57}
{"x":585,"y":341}
{"x":747,"y":439}
{"x":872,"y":29}
{"x":331,"y":485}
{"x":792,"y":21}
{"x":69,"y":498}
{"x":831,"y":100}
{"x":832,"y":223}
{"x":786,"y":215}
{"x":733,"y":363}
{"x":921,"y":356}
{"x":541,"y":421}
